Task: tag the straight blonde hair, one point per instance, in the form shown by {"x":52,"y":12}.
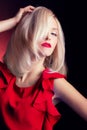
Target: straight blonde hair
{"x":22,"y":47}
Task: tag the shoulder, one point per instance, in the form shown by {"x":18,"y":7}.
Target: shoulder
{"x":48,"y":74}
{"x":48,"y":78}
{"x":5,"y":75}
{"x":62,"y":88}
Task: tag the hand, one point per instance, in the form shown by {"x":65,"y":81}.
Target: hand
{"x":22,"y":11}
{"x":10,"y":23}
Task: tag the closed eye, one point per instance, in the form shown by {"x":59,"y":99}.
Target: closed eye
{"x":54,"y":34}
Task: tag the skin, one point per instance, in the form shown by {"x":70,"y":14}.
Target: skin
{"x":51,"y":38}
{"x":68,"y":94}
{"x":29,"y":79}
{"x":10,"y":23}
{"x":63,"y":90}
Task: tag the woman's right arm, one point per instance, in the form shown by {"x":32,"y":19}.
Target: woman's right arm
{"x":11,"y":22}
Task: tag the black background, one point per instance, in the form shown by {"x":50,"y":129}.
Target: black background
{"x":72,"y":15}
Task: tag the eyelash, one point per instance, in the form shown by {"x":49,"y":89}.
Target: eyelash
{"x":54,"y":34}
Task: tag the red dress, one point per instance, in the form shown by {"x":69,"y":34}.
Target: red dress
{"x":28,"y":108}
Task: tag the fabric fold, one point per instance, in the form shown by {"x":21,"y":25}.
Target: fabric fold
{"x":23,"y":102}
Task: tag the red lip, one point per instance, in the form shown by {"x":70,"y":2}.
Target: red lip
{"x":45,"y":44}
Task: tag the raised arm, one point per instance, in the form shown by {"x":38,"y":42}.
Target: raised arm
{"x":11,"y":22}
{"x":68,"y":94}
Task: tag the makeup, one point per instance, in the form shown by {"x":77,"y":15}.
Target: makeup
{"x":46,"y":44}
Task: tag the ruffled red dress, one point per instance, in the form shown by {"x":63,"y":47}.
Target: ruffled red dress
{"x":28,"y":108}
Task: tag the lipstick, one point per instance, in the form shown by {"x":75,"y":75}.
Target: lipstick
{"x":45,"y":44}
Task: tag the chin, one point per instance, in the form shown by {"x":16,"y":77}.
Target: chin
{"x":48,"y":54}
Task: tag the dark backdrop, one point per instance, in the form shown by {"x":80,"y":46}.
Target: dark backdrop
{"x":72,"y":15}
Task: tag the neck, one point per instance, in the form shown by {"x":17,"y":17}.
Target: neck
{"x":31,"y":77}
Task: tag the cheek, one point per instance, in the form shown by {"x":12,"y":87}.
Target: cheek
{"x":54,"y":45}
{"x":55,"y":41}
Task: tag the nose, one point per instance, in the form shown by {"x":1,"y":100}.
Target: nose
{"x":48,"y":37}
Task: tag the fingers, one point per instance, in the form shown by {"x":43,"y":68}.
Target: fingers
{"x":23,"y":11}
{"x":28,"y":8}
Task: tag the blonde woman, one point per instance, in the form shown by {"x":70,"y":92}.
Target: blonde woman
{"x":33,"y":74}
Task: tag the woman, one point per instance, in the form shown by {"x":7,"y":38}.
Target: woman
{"x":33,"y":73}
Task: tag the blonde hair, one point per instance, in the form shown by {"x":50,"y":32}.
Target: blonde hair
{"x":22,"y":47}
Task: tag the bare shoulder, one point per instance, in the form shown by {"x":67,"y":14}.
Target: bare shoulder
{"x":61,"y":86}
{"x":61,"y":83}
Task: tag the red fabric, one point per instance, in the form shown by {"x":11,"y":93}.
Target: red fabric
{"x":28,"y":108}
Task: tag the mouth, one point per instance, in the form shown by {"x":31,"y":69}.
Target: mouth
{"x":45,"y":44}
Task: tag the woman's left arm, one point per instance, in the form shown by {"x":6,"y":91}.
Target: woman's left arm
{"x":68,"y":94}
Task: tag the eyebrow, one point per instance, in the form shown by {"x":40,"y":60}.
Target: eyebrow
{"x":55,"y":29}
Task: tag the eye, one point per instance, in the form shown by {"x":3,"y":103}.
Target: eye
{"x":54,"y":34}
